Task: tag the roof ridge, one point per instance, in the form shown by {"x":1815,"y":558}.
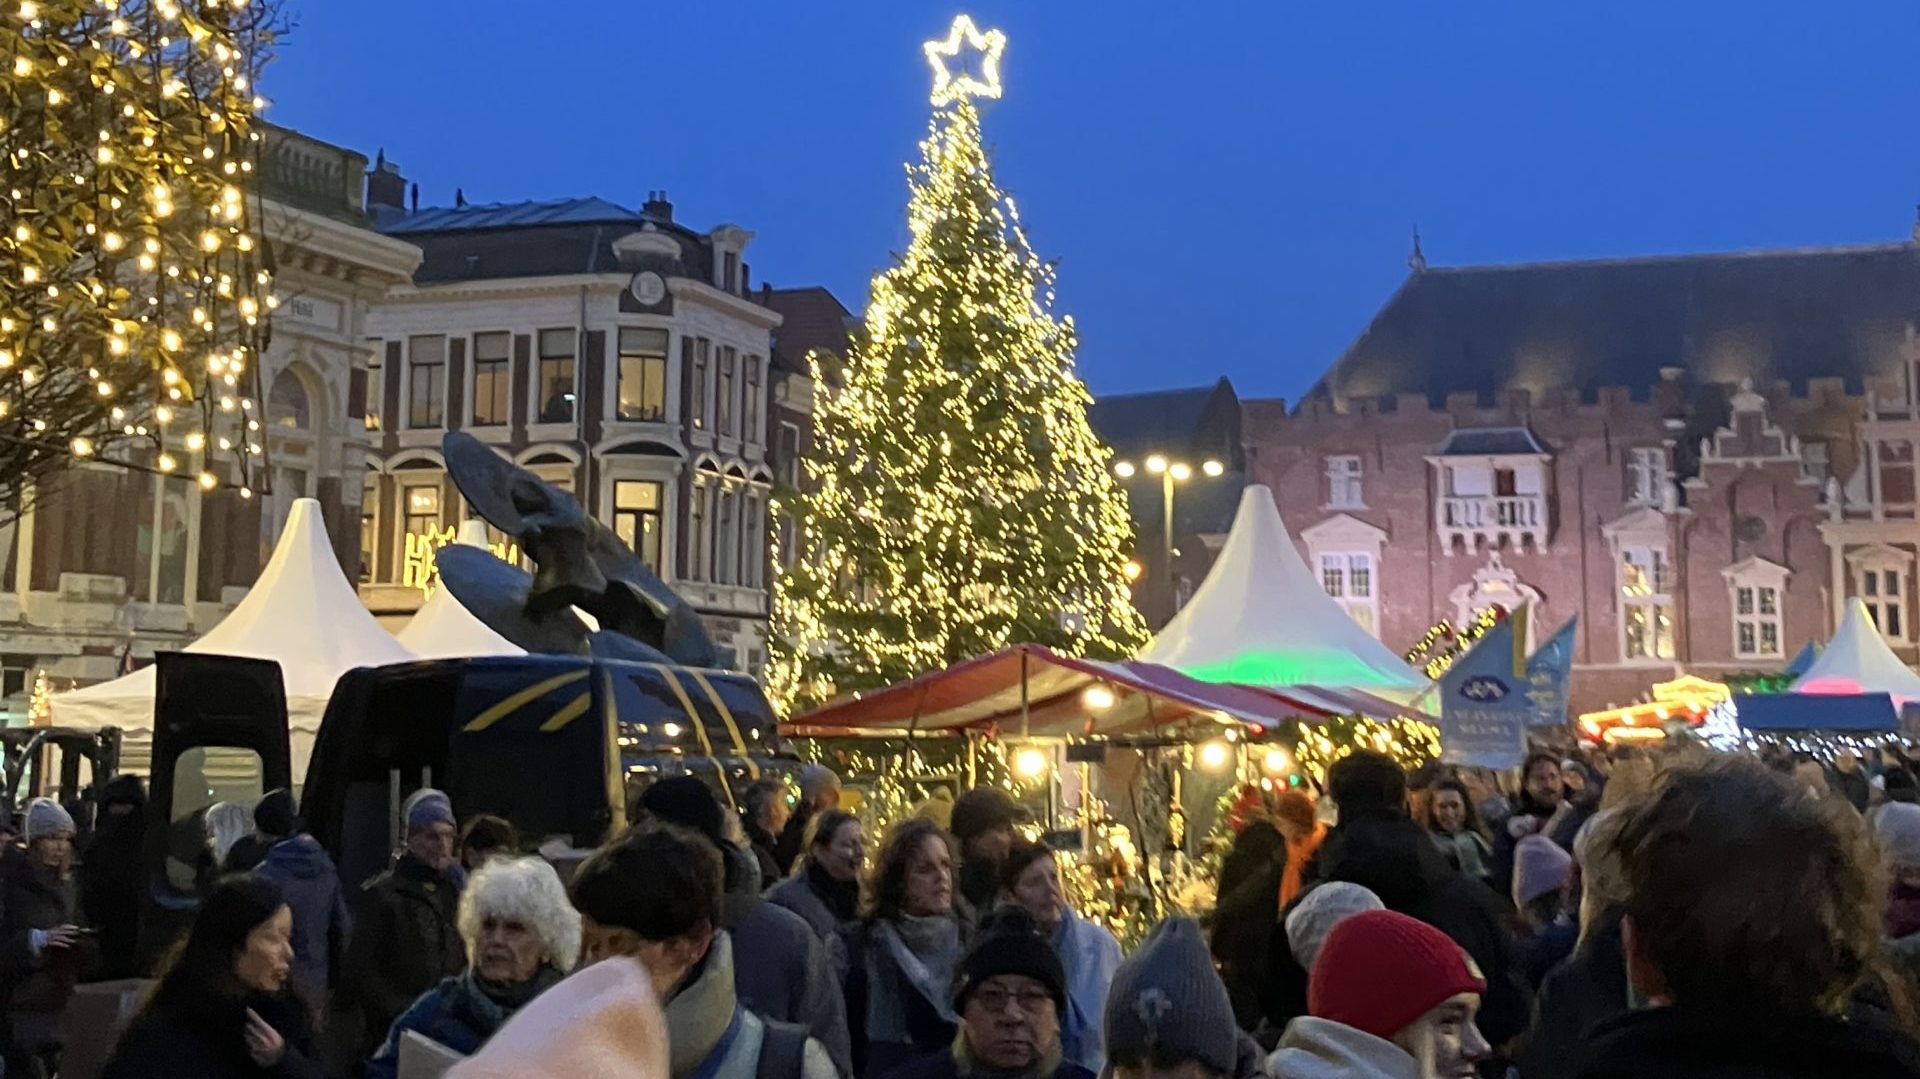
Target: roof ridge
{"x":1692,"y":256}
{"x":1156,"y":393}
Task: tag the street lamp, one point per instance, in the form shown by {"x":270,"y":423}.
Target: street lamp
{"x":1170,"y":472}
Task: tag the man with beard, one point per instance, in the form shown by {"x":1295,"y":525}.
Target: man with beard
{"x":983,"y":821}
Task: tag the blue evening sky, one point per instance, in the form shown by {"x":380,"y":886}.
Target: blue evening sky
{"x":1228,"y":188}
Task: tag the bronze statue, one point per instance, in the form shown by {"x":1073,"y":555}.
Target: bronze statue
{"x":578,"y":562}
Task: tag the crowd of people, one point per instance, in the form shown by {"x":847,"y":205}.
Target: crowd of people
{"x":1699,"y":914}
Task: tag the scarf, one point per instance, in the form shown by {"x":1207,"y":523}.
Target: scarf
{"x":969,"y":1066}
{"x":701,"y":1012}
{"x":1467,"y":848}
{"x":492,"y":1003}
{"x":842,"y":897}
{"x":1090,"y":956}
{"x":927,"y":950}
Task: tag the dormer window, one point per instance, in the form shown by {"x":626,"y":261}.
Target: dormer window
{"x":1495,"y":483}
{"x":730,"y":272}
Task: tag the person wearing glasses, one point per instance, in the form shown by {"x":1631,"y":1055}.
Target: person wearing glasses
{"x":1009,"y":992}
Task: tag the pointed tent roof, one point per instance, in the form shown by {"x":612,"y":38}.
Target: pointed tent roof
{"x":1857,"y":660}
{"x":444,"y":629}
{"x":301,"y":613}
{"x":1262,"y":619}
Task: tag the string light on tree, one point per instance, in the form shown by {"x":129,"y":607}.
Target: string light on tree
{"x":961,"y":501}
{"x":125,"y":226}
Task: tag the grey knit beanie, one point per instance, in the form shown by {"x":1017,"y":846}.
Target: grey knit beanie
{"x":1896,"y":827}
{"x":425,"y":808}
{"x":1319,"y":911}
{"x":1167,"y":1004}
{"x":45,"y":817}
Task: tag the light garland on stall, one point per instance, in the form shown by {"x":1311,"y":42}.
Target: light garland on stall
{"x":961,"y":501}
{"x":136,"y":285}
{"x":1443,"y":645}
{"x":1317,"y":744}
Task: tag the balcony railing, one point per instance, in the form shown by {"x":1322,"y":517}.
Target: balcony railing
{"x":1491,"y":519}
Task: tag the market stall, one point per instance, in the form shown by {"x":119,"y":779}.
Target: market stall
{"x":1857,"y":660}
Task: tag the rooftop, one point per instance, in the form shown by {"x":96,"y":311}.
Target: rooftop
{"x":1787,"y":315}
{"x":1169,"y":421}
{"x":811,"y":318}
{"x":590,"y":210}
{"x":1490,"y":442}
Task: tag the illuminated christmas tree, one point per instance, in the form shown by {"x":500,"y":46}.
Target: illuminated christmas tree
{"x":133,"y":283}
{"x":960,"y":500}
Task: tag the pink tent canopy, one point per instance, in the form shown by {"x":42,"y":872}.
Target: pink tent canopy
{"x":984,"y":694}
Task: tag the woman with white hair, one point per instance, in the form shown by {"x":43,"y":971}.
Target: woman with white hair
{"x":521,"y":934}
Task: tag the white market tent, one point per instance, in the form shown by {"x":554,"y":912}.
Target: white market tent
{"x":1858,"y":660}
{"x":444,"y":629}
{"x":1261,"y":618}
{"x":301,"y":613}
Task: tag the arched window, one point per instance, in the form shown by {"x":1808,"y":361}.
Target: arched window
{"x":287,"y":402}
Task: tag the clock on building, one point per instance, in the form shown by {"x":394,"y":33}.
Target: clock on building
{"x":648,"y":288}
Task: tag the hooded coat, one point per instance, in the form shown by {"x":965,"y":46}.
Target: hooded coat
{"x":1674,"y":1043}
{"x":311,"y":887}
{"x":1323,"y":1049}
{"x":113,"y":876}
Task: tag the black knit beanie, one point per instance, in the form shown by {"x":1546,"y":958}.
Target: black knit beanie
{"x":1009,"y":943}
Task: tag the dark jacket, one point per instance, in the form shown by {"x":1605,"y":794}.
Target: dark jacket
{"x":458,"y":1013}
{"x":307,"y":880}
{"x":406,"y":942}
{"x":763,"y":845}
{"x":786,"y":849}
{"x":1672,"y":1043}
{"x":1245,"y":918}
{"x":944,"y":1066}
{"x":781,"y":970}
{"x":113,"y":877}
{"x":1579,"y":994}
{"x":1394,"y":857}
{"x":824,"y":903}
{"x":37,"y":987}
{"x":206,"y":1039}
{"x":246,"y":854}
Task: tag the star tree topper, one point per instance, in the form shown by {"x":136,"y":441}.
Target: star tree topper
{"x":951,"y":86}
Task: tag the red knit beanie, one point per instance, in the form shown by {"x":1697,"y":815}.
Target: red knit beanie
{"x":1380,"y":970}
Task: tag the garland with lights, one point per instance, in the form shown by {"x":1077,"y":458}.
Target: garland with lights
{"x":1443,"y":644}
{"x":1318,"y":743}
{"x":960,"y":501}
{"x":133,"y":281}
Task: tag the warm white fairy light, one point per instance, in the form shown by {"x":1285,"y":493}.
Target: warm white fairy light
{"x":950,"y":86}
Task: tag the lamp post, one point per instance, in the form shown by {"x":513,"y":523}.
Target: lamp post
{"x":1170,"y":472}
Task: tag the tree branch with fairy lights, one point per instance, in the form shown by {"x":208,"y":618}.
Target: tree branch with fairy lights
{"x":134,"y":287}
{"x":1443,"y":643}
{"x":960,"y":501}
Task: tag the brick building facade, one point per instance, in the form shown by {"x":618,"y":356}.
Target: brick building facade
{"x":1701,"y":457}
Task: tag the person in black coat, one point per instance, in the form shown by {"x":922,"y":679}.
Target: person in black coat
{"x":1378,"y":846}
{"x":407,"y":936}
{"x":113,"y":875}
{"x":221,"y":1010}
{"x":1589,"y":988}
{"x":764,"y":814}
{"x":1246,"y":916}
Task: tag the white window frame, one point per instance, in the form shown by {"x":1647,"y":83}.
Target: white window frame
{"x":1881,"y":577}
{"x":1346,"y":482}
{"x":1352,"y":580}
{"x":439,"y":390}
{"x":1345,"y":537}
{"x":1655,"y":564}
{"x":1750,"y":584}
{"x":1646,"y":475}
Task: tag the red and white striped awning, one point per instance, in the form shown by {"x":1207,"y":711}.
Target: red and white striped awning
{"x":1066,"y":696}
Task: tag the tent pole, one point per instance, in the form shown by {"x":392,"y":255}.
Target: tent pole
{"x":1025,"y":719}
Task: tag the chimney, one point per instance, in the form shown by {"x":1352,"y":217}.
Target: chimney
{"x":416,"y":198}
{"x":385,"y":185}
{"x":657,"y":206}
{"x":459,"y":198}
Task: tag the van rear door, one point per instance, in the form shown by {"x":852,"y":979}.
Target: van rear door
{"x":219,"y":735}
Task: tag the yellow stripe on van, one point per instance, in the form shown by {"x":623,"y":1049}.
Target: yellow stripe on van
{"x":726,"y":716}
{"x":568,"y":712}
{"x":507,"y":706}
{"x":699,"y":727}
